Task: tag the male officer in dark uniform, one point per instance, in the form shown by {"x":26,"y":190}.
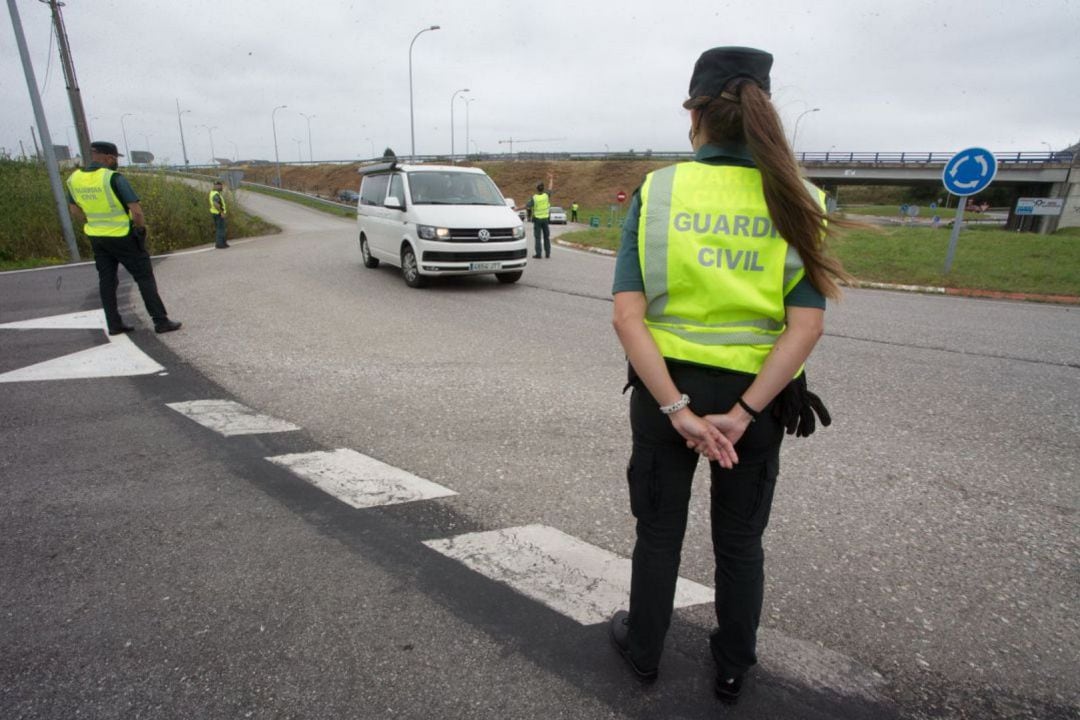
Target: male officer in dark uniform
{"x":117,"y":232}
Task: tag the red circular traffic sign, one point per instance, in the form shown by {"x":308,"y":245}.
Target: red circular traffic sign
{"x":620,"y":196}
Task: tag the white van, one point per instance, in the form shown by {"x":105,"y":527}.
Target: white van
{"x":438,"y":220}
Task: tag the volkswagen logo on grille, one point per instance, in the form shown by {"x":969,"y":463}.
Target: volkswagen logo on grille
{"x":484,"y":235}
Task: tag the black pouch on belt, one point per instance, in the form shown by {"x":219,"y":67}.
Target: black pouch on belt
{"x":795,"y":407}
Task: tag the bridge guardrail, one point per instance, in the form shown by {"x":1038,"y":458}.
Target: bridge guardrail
{"x":930,"y":158}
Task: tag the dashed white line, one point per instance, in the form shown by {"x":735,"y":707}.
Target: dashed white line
{"x":230,"y":418}
{"x":579,"y":580}
{"x":359,"y":480}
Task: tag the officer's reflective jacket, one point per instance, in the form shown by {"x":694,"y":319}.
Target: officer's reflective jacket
{"x":715,"y":268}
{"x":213,"y":206}
{"x":93,"y":193}
{"x":541,"y":206}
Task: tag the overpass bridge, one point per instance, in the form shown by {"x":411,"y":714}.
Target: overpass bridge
{"x":1026,"y":174}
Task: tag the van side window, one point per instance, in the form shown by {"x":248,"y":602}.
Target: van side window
{"x":373,"y":191}
{"x":397,"y":188}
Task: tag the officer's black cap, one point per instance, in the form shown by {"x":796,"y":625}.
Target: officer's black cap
{"x":719,"y":66}
{"x":105,"y":148}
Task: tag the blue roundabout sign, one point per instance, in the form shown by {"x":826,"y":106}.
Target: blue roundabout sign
{"x":969,"y":171}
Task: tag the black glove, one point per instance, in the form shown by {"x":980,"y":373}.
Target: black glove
{"x":795,"y":408}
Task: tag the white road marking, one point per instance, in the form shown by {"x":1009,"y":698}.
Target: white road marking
{"x":120,"y":358}
{"x":359,"y":480}
{"x":87,"y":320}
{"x":582,"y":581}
{"x":230,"y":418}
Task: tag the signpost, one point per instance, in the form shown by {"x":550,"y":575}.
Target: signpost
{"x":968,"y":172}
{"x":1040,"y":206}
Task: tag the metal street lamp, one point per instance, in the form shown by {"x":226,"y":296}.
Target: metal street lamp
{"x":299,"y":152}
{"x":310,"y":156}
{"x":412,"y":123}
{"x":372,"y":143}
{"x":273,"y":124}
{"x":123,"y":130}
{"x":236,"y":151}
{"x":213,"y":154}
{"x":146,"y":139}
{"x":180,"y":122}
{"x":468,"y":101}
{"x":796,"y":133}
{"x":452,"y":98}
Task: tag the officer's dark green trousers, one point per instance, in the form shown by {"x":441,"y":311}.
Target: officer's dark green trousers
{"x":659,"y":475}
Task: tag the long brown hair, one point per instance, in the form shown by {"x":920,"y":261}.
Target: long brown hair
{"x":746,"y":114}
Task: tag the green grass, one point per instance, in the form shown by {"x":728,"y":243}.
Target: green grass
{"x":925,"y":213}
{"x":308,"y":202}
{"x":986,"y":258}
{"x":177,"y":216}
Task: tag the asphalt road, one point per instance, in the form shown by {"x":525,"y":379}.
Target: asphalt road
{"x":922,"y":559}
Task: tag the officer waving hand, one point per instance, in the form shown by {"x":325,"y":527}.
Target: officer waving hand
{"x":720,"y":286}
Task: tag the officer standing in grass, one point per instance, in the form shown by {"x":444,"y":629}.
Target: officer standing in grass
{"x":218,"y":211}
{"x":719,"y":291}
{"x":540,"y":207}
{"x":573,"y":211}
{"x":117,"y":232}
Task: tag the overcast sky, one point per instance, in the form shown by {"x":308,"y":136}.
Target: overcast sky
{"x":559,"y":75}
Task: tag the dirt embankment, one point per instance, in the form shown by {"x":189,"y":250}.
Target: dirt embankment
{"x":592,"y":183}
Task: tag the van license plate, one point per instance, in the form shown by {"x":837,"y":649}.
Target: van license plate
{"x":485,"y":266}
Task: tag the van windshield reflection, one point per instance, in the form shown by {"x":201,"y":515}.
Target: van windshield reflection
{"x":453,"y":188}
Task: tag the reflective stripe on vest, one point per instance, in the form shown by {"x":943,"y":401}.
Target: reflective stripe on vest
{"x":541,"y":206}
{"x":715,"y":268}
{"x":93,"y":193}
{"x":213,"y":207}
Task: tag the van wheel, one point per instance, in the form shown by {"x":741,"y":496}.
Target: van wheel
{"x":410,"y":270}
{"x":369,"y":262}
{"x":510,"y":277}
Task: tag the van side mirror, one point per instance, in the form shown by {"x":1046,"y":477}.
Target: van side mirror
{"x":394,"y":203}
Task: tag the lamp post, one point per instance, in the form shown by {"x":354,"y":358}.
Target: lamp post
{"x":180,"y":122}
{"x":796,"y":133}
{"x":213,"y":154}
{"x":273,"y":124}
{"x":452,"y":98}
{"x":146,"y":139}
{"x":299,"y":152}
{"x":412,"y":122}
{"x":372,"y":143}
{"x":123,"y":131}
{"x":310,"y":156}
{"x":468,"y":101}
{"x":236,"y":151}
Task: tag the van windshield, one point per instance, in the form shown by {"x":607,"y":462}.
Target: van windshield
{"x":453,"y":188}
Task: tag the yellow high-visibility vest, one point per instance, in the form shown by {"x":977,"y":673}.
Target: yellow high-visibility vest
{"x":541,"y":206}
{"x":715,"y":268}
{"x":93,"y":193}
{"x":213,"y":207}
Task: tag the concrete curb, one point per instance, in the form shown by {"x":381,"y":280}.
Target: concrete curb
{"x":924,"y":289}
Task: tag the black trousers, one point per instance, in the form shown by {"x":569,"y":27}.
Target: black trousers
{"x":541,"y":229}
{"x":129,"y":251}
{"x":659,"y":475}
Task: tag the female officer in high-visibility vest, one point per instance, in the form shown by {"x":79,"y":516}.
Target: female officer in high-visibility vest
{"x":720,"y":287}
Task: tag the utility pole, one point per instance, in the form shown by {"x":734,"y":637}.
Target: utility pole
{"x":183,"y":146}
{"x":74,"y":96}
{"x":46,"y":138}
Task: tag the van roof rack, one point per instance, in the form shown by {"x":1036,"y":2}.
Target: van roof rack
{"x":380,"y":167}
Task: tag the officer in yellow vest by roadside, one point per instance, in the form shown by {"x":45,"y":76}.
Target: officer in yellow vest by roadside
{"x":720,"y":286}
{"x":117,"y":232}
{"x":218,"y":211}
{"x":574,"y":207}
{"x":540,"y":205}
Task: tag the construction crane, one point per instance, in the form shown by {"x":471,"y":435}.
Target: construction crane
{"x":511,"y":141}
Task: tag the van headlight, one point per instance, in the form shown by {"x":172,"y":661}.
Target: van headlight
{"x":430,"y":232}
{"x":519,"y":232}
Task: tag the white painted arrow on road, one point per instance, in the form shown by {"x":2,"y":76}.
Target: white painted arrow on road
{"x":119,"y":358}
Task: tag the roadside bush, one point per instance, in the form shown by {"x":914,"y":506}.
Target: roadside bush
{"x":177,"y":216}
